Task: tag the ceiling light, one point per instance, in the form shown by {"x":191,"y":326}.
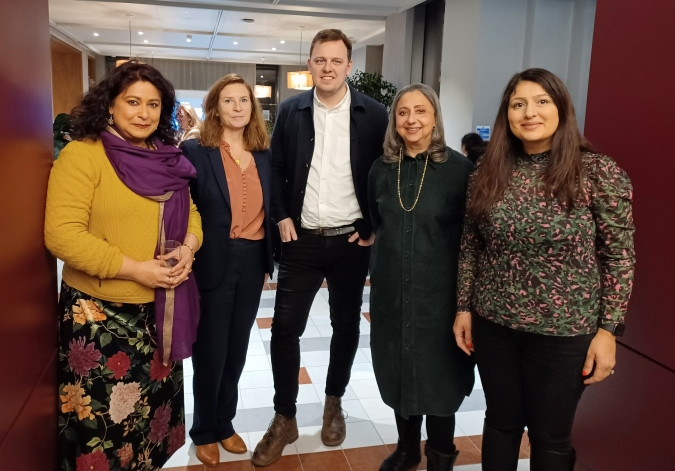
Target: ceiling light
{"x":261,"y":76}
{"x":247,"y":20}
{"x":141,"y":33}
{"x":274,"y":48}
{"x":189,"y":38}
{"x":95,"y":34}
{"x":282,"y":42}
{"x":235,"y":43}
{"x":145,"y":41}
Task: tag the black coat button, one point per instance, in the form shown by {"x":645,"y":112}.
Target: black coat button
{"x":302,"y":192}
{"x":407,"y":254}
{"x":408,"y":230}
{"x":407,"y":278}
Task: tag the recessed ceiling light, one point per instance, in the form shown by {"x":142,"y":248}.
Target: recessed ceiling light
{"x":235,"y":43}
{"x":189,"y":38}
{"x":247,"y":20}
{"x":95,"y":34}
{"x":282,"y":41}
{"x":274,"y":48}
{"x":261,"y":76}
{"x":145,"y":41}
{"x":140,"y":32}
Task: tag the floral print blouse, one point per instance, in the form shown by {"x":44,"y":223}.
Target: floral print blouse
{"x":532,"y":266}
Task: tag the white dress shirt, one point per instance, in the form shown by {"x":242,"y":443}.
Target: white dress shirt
{"x":330,"y":198}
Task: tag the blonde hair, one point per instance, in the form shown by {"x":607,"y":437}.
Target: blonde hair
{"x":192,"y":131}
{"x":393,"y":143}
{"x":256,"y":137}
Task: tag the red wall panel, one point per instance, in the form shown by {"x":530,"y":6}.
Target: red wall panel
{"x":27,"y":273}
{"x":631,"y":116}
{"x":627,"y":423}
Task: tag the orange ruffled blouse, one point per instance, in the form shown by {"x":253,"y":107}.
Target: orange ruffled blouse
{"x":246,"y":198}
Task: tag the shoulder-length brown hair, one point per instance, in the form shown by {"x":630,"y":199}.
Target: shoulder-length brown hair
{"x":256,"y":137}
{"x":393,"y":142}
{"x":562,"y":175}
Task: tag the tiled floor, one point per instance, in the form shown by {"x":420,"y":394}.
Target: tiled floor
{"x":371,"y":429}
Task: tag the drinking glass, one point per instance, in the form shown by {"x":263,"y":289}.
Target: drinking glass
{"x":171,"y":248}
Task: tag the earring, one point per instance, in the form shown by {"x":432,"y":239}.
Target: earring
{"x":110,"y":120}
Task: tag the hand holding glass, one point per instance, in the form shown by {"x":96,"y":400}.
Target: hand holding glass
{"x":169,"y":252}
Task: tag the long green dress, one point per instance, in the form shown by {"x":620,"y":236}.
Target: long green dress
{"x":413,"y":275}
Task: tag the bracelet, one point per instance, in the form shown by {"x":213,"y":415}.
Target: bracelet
{"x":190,"y":247}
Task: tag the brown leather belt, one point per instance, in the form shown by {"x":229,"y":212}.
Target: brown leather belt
{"x":330,"y":231}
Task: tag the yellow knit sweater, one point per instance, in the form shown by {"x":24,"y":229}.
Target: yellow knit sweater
{"x":92,"y":220}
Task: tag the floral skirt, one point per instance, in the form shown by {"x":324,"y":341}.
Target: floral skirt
{"x":119,"y":407}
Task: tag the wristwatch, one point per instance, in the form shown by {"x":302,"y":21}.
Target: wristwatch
{"x":616,"y":330}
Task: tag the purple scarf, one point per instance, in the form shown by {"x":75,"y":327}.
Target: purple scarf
{"x":153,"y":174}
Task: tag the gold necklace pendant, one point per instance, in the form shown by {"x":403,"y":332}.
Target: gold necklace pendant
{"x":400,"y":161}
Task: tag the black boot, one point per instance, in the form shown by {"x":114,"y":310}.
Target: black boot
{"x":500,"y":450}
{"x":438,"y":461}
{"x":544,"y":459}
{"x":407,"y":455}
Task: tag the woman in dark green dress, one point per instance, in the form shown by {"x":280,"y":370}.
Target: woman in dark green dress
{"x":417,"y":194}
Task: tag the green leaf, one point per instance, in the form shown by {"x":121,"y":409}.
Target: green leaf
{"x":89,"y":423}
{"x":122,"y":331}
{"x":109,"y":312}
{"x":99,"y":448}
{"x":94,"y":328}
{"x":139,"y":334}
{"x":76,"y":326}
{"x":108,"y":389}
{"x":62,"y":421}
{"x":106,"y":339}
{"x":108,"y":444}
{"x":94,"y":441}
{"x":95,"y":405}
{"x":133,"y":341}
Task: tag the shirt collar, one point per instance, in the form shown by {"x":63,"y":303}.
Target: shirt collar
{"x":344,"y":104}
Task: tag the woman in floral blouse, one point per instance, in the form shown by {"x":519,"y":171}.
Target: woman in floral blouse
{"x":545,"y":272}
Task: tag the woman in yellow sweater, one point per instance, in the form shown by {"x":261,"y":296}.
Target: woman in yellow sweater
{"x":116,"y":195}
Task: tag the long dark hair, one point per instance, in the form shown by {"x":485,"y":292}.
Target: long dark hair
{"x":90,"y":117}
{"x":563,"y":173}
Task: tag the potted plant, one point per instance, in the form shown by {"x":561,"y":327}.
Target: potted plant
{"x":373,"y":85}
{"x":62,"y":128}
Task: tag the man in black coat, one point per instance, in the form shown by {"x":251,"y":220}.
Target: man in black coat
{"x":323,"y":145}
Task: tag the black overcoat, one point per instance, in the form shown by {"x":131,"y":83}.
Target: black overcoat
{"x":413,"y":276}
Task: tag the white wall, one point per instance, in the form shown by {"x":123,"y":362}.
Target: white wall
{"x":398,"y":42}
{"x":485,"y":42}
{"x":359,"y":59}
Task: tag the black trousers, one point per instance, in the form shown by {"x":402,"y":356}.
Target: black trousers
{"x":219,"y":354}
{"x":304,"y":265}
{"x":440,"y":431}
{"x":530,"y":380}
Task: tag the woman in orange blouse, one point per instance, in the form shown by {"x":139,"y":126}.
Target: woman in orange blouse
{"x":232,"y":160}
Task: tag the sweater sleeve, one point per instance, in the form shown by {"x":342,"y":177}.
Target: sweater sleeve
{"x":72,"y":184}
{"x":195,"y":223}
{"x":470,"y":248}
{"x":611,"y":206}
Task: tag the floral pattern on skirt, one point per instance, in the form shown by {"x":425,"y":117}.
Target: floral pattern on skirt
{"x":119,"y":407}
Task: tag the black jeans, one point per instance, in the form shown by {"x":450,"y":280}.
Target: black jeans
{"x":219,"y":354}
{"x":440,"y":431}
{"x":530,"y":380}
{"x":304,"y":265}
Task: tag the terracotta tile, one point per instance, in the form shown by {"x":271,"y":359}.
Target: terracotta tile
{"x":266,"y":287}
{"x":303,"y":377}
{"x":325,"y":461}
{"x":272,"y":286}
{"x":468,"y":453}
{"x":477,"y":441}
{"x":243,"y":465}
{"x":324,"y":284}
{"x":264,"y":322}
{"x":199,"y":467}
{"x":366,"y":315}
{"x":366,"y":459}
{"x":285,"y":463}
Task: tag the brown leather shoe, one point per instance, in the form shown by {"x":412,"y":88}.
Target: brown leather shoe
{"x":334,"y":429}
{"x":234,"y":444}
{"x":281,"y":432}
{"x":209,"y":454}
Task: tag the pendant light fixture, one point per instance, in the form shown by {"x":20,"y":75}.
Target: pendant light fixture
{"x":302,"y":79}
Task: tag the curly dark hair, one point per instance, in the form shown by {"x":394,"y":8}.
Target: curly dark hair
{"x":90,"y":117}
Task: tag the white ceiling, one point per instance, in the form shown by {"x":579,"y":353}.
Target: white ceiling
{"x":166,"y":23}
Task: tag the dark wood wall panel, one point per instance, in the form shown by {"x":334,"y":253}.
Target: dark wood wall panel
{"x":67,"y":86}
{"x":628,"y":422}
{"x":28,"y":396}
